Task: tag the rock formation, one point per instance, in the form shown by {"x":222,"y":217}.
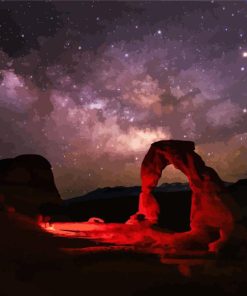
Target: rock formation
{"x":27,"y":182}
{"x":211,"y":207}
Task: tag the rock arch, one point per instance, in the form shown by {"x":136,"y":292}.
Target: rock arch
{"x":211,"y":206}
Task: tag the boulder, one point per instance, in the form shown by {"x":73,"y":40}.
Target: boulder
{"x":27,"y":182}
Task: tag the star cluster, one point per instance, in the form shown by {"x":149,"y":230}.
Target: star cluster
{"x":90,"y":85}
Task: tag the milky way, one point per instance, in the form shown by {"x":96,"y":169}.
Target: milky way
{"x":91,"y":85}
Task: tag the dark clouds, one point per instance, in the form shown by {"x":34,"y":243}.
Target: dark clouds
{"x":93,"y":84}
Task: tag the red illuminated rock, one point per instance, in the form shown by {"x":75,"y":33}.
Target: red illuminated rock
{"x":212,"y":206}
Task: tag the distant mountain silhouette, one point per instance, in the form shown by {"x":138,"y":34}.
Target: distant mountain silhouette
{"x":120,"y":191}
{"x":168,"y":187}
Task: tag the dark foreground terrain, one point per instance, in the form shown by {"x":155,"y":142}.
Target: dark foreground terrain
{"x":35,"y":262}
{"x":32,"y":263}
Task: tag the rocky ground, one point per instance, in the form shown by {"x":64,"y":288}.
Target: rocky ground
{"x":34,"y":261}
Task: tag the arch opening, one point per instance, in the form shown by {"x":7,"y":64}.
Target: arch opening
{"x":175,"y":201}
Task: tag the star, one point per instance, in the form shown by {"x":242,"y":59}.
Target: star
{"x":101,"y":85}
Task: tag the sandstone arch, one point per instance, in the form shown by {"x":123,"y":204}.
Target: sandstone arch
{"x":212,"y":207}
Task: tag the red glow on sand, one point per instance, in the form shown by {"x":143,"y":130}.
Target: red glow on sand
{"x":139,"y":237}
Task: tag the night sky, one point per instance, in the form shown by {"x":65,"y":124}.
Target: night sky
{"x":90,"y":85}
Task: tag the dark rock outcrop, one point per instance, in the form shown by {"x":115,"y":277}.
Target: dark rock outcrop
{"x":27,"y":182}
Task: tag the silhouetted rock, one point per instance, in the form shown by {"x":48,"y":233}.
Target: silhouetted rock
{"x":27,"y":182}
{"x":240,"y":185}
{"x":239,"y":191}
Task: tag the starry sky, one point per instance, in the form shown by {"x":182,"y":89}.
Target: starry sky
{"x":90,"y":85}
